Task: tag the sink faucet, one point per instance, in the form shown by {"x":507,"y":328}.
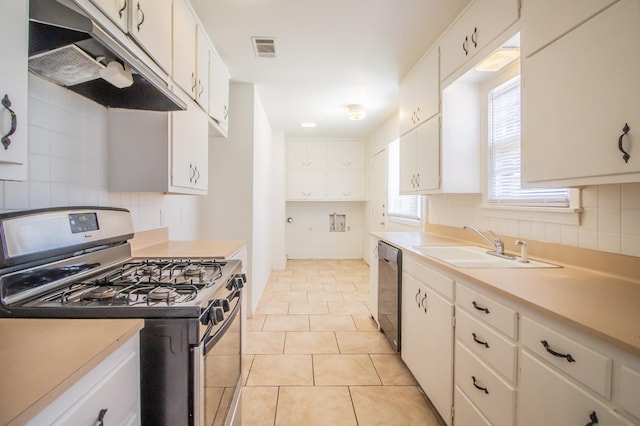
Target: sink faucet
{"x":498,"y":245}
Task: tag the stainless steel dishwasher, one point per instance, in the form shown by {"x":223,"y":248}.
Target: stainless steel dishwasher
{"x":389,"y":291}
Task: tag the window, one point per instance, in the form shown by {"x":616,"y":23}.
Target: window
{"x":504,"y":152}
{"x":406,"y":207}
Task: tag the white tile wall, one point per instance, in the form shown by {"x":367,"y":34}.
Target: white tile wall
{"x":610,"y":220}
{"x":68,"y":138}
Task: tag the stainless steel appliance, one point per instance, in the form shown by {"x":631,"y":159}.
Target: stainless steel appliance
{"x":389,"y":291}
{"x":76,"y":262}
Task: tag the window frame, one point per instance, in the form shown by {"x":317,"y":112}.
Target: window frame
{"x":536,"y":211}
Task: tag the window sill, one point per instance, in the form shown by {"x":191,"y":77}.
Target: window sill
{"x":563,"y":216}
{"x":407,"y":222}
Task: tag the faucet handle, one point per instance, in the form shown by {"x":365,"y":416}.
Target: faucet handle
{"x":496,"y":237}
{"x":523,"y":251}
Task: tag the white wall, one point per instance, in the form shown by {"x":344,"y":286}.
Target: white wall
{"x":68,"y":137}
{"x":308,"y":236}
{"x":610,"y":221}
{"x":245,"y":174}
{"x":278,"y":220}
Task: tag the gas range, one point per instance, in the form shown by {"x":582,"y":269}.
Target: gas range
{"x":76,"y":262}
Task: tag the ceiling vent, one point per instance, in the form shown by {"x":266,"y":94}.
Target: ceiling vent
{"x":264,"y":47}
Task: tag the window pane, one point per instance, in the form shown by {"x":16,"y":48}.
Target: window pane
{"x":504,"y":153}
{"x":400,"y":206}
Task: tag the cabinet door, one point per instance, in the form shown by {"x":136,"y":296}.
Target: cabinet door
{"x":428,"y":155}
{"x":202,"y":69}
{"x":150,"y":25}
{"x":573,"y":117}
{"x":346,"y":185}
{"x":218,"y":90}
{"x":408,"y":162}
{"x":13,"y":90}
{"x":544,"y":21}
{"x":427,"y":342}
{"x":307,"y":154}
{"x":545,"y":397}
{"x":116,"y":10}
{"x":189,"y":154}
{"x":184,"y":47}
{"x":345,"y":154}
{"x":306,"y":185}
{"x":478,"y":26}
{"x":420,"y":92}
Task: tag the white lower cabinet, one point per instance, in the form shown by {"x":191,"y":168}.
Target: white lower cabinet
{"x":466,"y":412}
{"x":494,"y":396}
{"x":110,"y":391}
{"x":427,"y":340}
{"x":545,"y":396}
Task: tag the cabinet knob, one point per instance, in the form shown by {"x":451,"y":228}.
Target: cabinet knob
{"x":474,"y":37}
{"x":480,"y":342}
{"x":6,"y":102}
{"x":593,"y":418}
{"x":480,"y":308}
{"x":475,"y":383}
{"x":464,"y":46}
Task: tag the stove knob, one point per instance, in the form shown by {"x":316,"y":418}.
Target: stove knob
{"x":217,"y":314}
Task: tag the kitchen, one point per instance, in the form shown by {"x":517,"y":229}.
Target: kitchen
{"x":68,"y":165}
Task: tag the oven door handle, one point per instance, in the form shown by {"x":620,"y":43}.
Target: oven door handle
{"x":211,"y":339}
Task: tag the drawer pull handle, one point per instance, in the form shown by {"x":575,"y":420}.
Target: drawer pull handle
{"x":418,"y":297}
{"x":6,"y":141}
{"x":485,"y":390}
{"x":558,"y":354}
{"x":480,"y":308}
{"x":422,"y":302}
{"x":100,"y":420}
{"x":626,"y":155}
{"x":478,"y":341}
{"x":593,"y":418}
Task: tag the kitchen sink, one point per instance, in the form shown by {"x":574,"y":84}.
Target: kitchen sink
{"x":475,"y":257}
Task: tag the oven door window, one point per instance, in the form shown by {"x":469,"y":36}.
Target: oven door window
{"x":222,"y":363}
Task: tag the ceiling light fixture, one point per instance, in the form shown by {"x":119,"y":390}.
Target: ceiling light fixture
{"x":498,"y":59}
{"x":356,"y":112}
{"x":308,"y":125}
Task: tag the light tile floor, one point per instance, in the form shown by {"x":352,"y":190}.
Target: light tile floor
{"x":315,"y":357}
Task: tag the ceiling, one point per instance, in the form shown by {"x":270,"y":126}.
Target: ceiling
{"x":329,"y":54}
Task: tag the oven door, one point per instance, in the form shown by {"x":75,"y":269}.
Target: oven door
{"x":217,"y":384}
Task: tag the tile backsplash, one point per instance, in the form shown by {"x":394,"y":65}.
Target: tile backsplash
{"x":610,"y":220}
{"x":68,"y":165}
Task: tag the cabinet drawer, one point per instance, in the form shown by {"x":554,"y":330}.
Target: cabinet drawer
{"x":499,"y":352}
{"x":630,"y":390}
{"x":547,"y":398}
{"x":502,"y":318}
{"x":425,"y":274}
{"x":544,"y":21}
{"x":576,"y":360}
{"x":466,"y":412}
{"x":495,"y":398}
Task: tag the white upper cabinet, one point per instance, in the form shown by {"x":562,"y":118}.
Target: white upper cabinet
{"x":184,"y":47}
{"x":150,"y":26}
{"x":580,"y":102}
{"x":347,"y":154}
{"x":307,"y":154}
{"x":116,"y":10}
{"x":202,"y":69}
{"x":420,"y":92}
{"x":153,"y":151}
{"x":474,"y":29}
{"x":420,"y":159}
{"x":546,"y":21}
{"x":218,"y":90}
{"x":14,"y":91}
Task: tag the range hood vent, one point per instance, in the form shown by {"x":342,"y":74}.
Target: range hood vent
{"x":69,"y":48}
{"x":264,"y":47}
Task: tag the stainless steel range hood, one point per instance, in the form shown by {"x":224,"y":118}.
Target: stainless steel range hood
{"x":70,"y":42}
